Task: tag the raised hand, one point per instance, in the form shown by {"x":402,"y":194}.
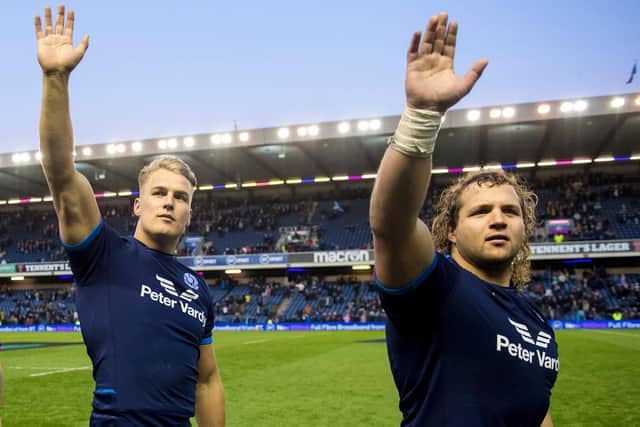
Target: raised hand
{"x":431,"y":83}
{"x":56,"y":53}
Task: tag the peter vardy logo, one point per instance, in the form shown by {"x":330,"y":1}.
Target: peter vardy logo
{"x":540,"y":357}
{"x":169,"y":287}
{"x":191,"y":281}
{"x":542,"y":340}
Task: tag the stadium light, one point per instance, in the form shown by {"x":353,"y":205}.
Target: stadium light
{"x":314,"y":130}
{"x":471,"y":169}
{"x":604,"y":159}
{"x":321,"y":179}
{"x":189,"y":141}
{"x":637,"y":101}
{"x":508,"y":112}
{"x":363,"y":125}
{"x":231,"y":185}
{"x":276,"y":182}
{"x":581,"y":161}
{"x":495,"y":113}
{"x":227,"y":138}
{"x":135,"y":147}
{"x":73,"y":153}
{"x":281,"y":155}
{"x":283,"y":133}
{"x":374,"y":124}
{"x":215,"y":139}
{"x":566,"y":107}
{"x":302,"y":131}
{"x":233,"y":271}
{"x":162,"y":144}
{"x":111,"y":149}
{"x":244,"y":136}
{"x":492,"y":167}
{"x":35,"y":199}
{"x":636,"y":157}
{"x":340,"y":178}
{"x":524,"y":165}
{"x":344,"y":127}
{"x":172,"y":143}
{"x":547,"y":163}
{"x":294,"y":181}
{"x":120,"y":148}
{"x":248,"y":184}
{"x":580,"y":105}
{"x":369,"y":176}
{"x":205,"y":187}
{"x":17,"y":278}
{"x":87,"y":151}
{"x":617,"y":102}
{"x":361,"y":267}
{"x":124,"y":193}
{"x":38,"y":155}
{"x":436,"y":171}
{"x":15,"y":158}
{"x":544,"y":108}
{"x":473,"y":115}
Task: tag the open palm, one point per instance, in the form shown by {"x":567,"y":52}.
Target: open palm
{"x":55,"y":45}
{"x":431,"y":83}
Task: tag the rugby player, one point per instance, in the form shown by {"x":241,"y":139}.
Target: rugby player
{"x":466,"y":347}
{"x":146,"y":318}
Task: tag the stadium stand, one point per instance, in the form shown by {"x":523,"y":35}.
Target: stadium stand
{"x":602,"y":207}
{"x":565,"y":294}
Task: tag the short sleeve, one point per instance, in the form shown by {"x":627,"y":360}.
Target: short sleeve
{"x":207,"y":337}
{"x":89,"y":257}
{"x":422,"y":298}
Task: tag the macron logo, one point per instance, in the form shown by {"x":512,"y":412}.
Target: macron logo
{"x":170,"y":288}
{"x":542,"y":340}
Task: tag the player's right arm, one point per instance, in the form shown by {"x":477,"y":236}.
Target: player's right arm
{"x":403,"y":244}
{"x":73,"y":197}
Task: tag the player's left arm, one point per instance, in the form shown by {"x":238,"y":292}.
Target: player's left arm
{"x":209,"y":390}
{"x":547,"y":421}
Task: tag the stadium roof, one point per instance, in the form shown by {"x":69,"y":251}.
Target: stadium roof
{"x":537,"y":135}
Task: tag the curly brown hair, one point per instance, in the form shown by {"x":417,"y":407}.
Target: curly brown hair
{"x":448,"y":209}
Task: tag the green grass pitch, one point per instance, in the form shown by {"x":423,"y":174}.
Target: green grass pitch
{"x":318,"y":379}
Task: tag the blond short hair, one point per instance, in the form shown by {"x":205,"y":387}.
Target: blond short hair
{"x":170,"y":163}
{"x":448,"y":208}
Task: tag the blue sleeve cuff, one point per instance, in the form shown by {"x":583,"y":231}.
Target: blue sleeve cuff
{"x":411,"y":285}
{"x":87,"y":240}
{"x":207,"y":341}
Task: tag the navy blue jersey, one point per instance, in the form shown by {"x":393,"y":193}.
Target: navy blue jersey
{"x":143,"y":317}
{"x":465,"y":352}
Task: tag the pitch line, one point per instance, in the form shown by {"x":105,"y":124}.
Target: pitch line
{"x":256,"y":341}
{"x":59,"y":371}
{"x":619,"y":333}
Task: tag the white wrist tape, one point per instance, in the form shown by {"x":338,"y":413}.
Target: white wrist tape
{"x":417,"y":132}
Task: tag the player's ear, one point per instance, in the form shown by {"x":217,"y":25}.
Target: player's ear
{"x":136,"y":206}
{"x":452,"y":236}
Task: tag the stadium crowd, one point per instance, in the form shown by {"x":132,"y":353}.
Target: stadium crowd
{"x":561,"y":295}
{"x":583,"y":199}
{"x":29,"y":307}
